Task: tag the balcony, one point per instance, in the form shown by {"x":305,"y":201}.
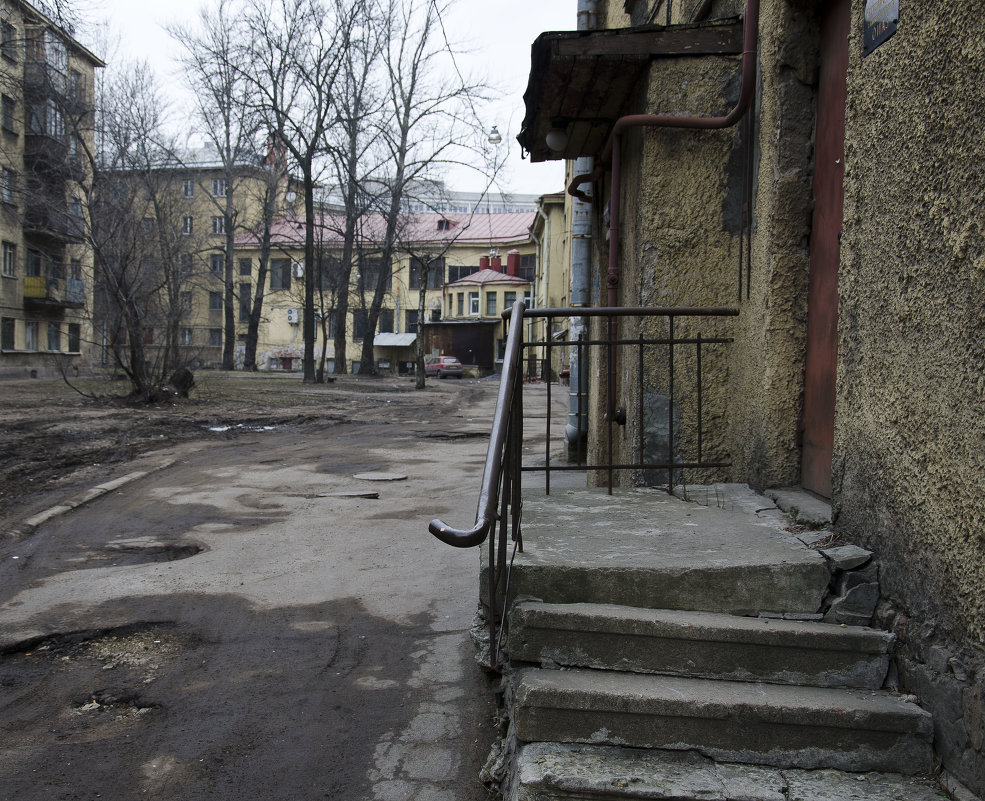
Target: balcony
{"x":42,"y":292}
{"x":44,"y":218}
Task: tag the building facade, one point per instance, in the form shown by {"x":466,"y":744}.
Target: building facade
{"x":434,"y":252}
{"x":827,"y":192}
{"x":46,"y":132}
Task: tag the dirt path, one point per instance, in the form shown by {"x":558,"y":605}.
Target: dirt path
{"x":236,"y":625}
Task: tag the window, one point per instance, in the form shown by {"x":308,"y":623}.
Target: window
{"x":246,"y":266}
{"x":436,"y":273}
{"x":76,"y":209}
{"x":218,"y":225}
{"x":490,"y":304}
{"x":360,"y":323}
{"x":75,"y":85}
{"x":8,"y":185}
{"x":244,"y":303}
{"x":528,"y":267}
{"x":461,"y":304}
{"x":385,"y":323}
{"x":31,"y":335}
{"x":187,"y":226}
{"x":7,"y":335}
{"x":54,"y":121}
{"x":509,"y":298}
{"x":217,"y":264}
{"x":444,"y":225}
{"x":74,"y":338}
{"x":459,"y":272}
{"x":186,"y":336}
{"x":8,"y":41}
{"x":186,"y":263}
{"x":34,"y":262}
{"x":215,"y":337}
{"x":369,"y":273}
{"x":148,"y":223}
{"x":215,"y":301}
{"x":280,"y":273}
{"x":75,"y":269}
{"x":188,"y":188}
{"x":218,"y":187}
{"x":54,"y":337}
{"x":7,"y":111}
{"x":410,"y":320}
{"x":9,"y":259}
{"x":186,"y":301}
{"x":331,"y":323}
{"x":473,"y":303}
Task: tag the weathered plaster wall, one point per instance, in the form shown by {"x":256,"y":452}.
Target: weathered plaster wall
{"x":910,"y":418}
{"x":768,"y":355}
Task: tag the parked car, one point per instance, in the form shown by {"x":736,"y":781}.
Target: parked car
{"x":443,"y":366}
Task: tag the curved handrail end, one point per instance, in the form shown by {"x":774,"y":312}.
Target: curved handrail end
{"x":457,"y":538}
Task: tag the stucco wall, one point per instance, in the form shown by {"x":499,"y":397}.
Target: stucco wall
{"x":910,"y":417}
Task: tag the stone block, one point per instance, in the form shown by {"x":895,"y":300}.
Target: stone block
{"x":847,"y":557}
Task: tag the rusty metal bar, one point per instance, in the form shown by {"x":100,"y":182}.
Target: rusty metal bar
{"x":670,"y":406}
{"x":698,"y":346}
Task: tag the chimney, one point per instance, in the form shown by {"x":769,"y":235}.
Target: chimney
{"x":496,"y":263}
{"x":483,"y":262}
{"x":513,"y":263}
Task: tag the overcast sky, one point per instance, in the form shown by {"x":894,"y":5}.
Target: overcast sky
{"x":496,"y":35}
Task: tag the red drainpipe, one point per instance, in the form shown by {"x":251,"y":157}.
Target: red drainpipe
{"x":612,"y":158}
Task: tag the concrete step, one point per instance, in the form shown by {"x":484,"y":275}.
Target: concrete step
{"x":699,"y":644}
{"x":644,"y":548}
{"x":767,"y":724}
{"x":560,"y":772}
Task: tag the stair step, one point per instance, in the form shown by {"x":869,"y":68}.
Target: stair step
{"x":560,"y":772}
{"x":644,"y":548}
{"x":699,"y":644}
{"x":768,"y":724}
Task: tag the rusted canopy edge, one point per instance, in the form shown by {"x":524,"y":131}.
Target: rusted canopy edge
{"x":585,"y":79}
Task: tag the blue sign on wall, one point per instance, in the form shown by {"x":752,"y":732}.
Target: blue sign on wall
{"x":881,"y":18}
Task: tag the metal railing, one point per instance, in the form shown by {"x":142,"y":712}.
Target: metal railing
{"x":500,"y":501}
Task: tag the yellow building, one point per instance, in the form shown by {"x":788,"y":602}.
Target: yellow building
{"x":45,"y":128}
{"x":453,"y":246}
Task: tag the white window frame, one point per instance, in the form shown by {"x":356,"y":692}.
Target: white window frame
{"x":31,"y":335}
{"x":10,"y":259}
{"x":186,"y":336}
{"x":474,"y":304}
{"x":188,"y":188}
{"x":218,"y":225}
{"x":8,"y":184}
{"x":187,"y":225}
{"x":218,"y":187}
{"x":54,"y":332}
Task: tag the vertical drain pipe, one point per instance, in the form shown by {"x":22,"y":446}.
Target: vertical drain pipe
{"x":576,"y":431}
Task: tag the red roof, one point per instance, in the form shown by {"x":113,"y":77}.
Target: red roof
{"x":486,"y":230}
{"x":488,"y":276}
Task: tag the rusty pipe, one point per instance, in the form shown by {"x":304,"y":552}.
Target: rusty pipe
{"x":611,"y":159}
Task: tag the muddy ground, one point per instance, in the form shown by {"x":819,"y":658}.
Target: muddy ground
{"x":56,"y":437}
{"x":236,"y":625}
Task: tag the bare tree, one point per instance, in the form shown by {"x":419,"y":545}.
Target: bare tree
{"x":430,"y":125}
{"x":212,"y":61}
{"x":294,"y":65}
{"x":142,"y":262}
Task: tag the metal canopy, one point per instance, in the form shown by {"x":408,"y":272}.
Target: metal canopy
{"x":583,"y":81}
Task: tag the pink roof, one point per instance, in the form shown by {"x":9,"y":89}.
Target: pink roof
{"x":486,"y":230}
{"x":488,"y":276}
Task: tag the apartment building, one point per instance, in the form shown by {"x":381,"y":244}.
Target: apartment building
{"x":435,"y":252}
{"x":46,"y":128}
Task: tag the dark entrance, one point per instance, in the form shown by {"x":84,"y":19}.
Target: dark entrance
{"x":822,"y":299}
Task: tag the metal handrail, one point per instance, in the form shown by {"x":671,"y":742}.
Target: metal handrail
{"x":486,"y":512}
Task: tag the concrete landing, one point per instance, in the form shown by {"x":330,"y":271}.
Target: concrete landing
{"x":555,"y":771}
{"x":644,"y":548}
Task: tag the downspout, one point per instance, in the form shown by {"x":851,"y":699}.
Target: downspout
{"x":576,"y":431}
{"x":611,"y":160}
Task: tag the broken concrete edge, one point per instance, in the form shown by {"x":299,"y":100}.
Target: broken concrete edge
{"x":27,"y":527}
{"x":805,"y":508}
